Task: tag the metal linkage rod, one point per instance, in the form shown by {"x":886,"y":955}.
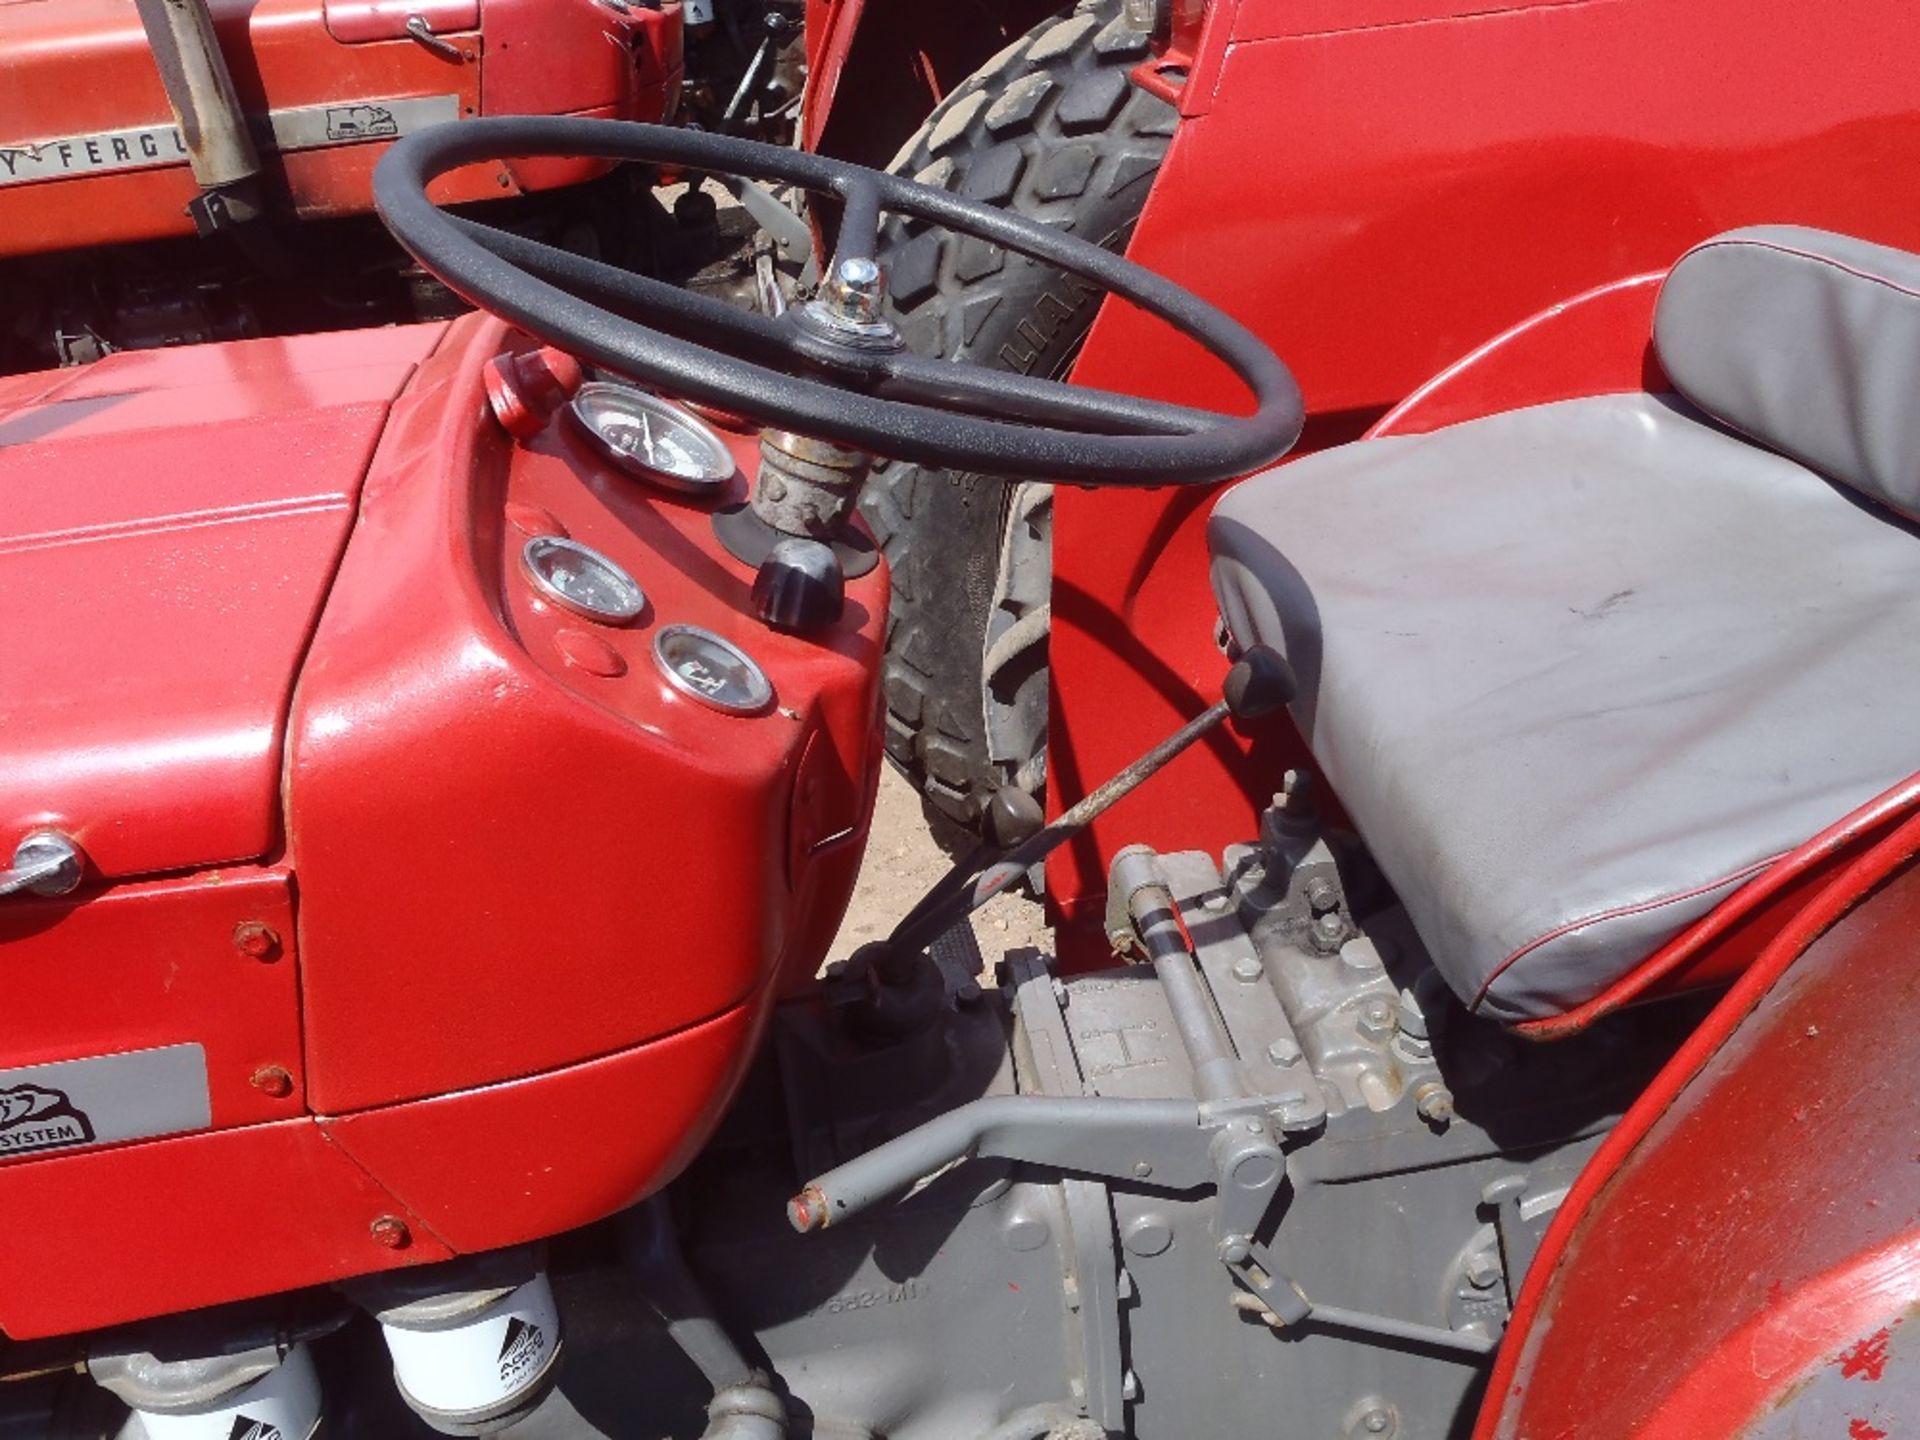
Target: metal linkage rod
{"x":1259,"y":683}
{"x":1092,"y":1135}
{"x":1156,"y":919}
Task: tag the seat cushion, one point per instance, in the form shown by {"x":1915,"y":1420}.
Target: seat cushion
{"x":1579,"y":671}
{"x":1809,"y":343}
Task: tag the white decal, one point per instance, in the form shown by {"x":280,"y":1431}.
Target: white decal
{"x":103,"y":1098}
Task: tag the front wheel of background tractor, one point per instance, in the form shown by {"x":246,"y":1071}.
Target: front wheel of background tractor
{"x":1051,"y":128}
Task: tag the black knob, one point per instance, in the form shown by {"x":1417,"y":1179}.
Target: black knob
{"x":1260,"y":683}
{"x":1013,"y":817}
{"x":800,"y":586}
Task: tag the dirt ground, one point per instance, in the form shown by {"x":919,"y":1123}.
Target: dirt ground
{"x":903,"y":859}
{"x":903,"y":855}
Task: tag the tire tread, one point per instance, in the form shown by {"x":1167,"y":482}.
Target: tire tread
{"x":1052,"y":127}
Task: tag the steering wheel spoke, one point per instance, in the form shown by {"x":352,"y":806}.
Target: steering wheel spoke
{"x":684,"y":314}
{"x":859,"y":237}
{"x":968,"y":389}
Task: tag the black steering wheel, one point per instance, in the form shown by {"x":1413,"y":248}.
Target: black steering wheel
{"x":842,"y":374}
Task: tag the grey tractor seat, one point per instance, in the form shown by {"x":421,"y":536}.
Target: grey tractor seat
{"x":1579,"y":671}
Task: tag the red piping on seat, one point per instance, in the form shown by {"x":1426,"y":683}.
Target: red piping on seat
{"x":1794,"y":252}
{"x":1781,"y":871}
{"x":1638,"y":908}
{"x":1797,"y":252}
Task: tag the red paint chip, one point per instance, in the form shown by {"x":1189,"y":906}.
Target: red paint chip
{"x":1868,"y":1359}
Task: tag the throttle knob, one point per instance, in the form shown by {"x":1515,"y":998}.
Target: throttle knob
{"x":799,"y":586}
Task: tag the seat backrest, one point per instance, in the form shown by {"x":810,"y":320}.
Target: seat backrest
{"x":1808,"y":343}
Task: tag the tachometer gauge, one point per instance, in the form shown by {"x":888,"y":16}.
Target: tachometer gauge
{"x":582,"y":580}
{"x":653,"y":439}
{"x":713,"y":671}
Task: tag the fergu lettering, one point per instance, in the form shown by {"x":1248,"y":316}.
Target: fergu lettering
{"x":83,"y":153}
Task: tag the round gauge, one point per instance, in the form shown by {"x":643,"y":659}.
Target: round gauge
{"x":713,"y":671}
{"x":653,"y":438}
{"x":582,"y":580}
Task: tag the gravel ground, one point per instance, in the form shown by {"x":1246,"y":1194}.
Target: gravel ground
{"x":903,"y":859}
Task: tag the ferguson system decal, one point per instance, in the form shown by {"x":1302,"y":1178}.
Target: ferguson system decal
{"x":32,"y":1118}
{"x":96,"y":1101}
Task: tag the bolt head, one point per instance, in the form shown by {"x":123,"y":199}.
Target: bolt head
{"x":1434,"y":1102}
{"x":1377,"y":1021}
{"x":274,"y":1081}
{"x":390,"y":1232}
{"x":1329,"y":931}
{"x":1323,"y":896}
{"x":858,"y":289}
{"x":257,"y":941}
{"x":1283,"y":1052}
{"x":1235,"y":1251}
{"x":1247,"y":969}
{"x":1376,"y":1422}
{"x":858,"y":273}
{"x":1483,"y":1270}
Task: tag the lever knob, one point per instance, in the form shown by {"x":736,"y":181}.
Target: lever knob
{"x":800,"y":586}
{"x":1259,"y":683}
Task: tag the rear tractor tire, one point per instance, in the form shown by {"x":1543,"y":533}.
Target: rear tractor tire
{"x":1051,"y":128}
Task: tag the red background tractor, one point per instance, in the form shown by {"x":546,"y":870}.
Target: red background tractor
{"x":121,"y":226}
{"x":438,"y":756}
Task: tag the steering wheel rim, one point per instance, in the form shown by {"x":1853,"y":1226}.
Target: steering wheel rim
{"x":888,"y":402}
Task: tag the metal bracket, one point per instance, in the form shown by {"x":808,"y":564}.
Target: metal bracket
{"x":1244,"y":1194}
{"x":1520,"y":1220}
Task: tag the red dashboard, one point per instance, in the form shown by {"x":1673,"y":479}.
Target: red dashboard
{"x":467,"y":913}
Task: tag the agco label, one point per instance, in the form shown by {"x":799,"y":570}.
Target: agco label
{"x":523,"y":1351}
{"x":69,"y":1104}
{"x":302,"y":127}
{"x":492,"y":1356}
